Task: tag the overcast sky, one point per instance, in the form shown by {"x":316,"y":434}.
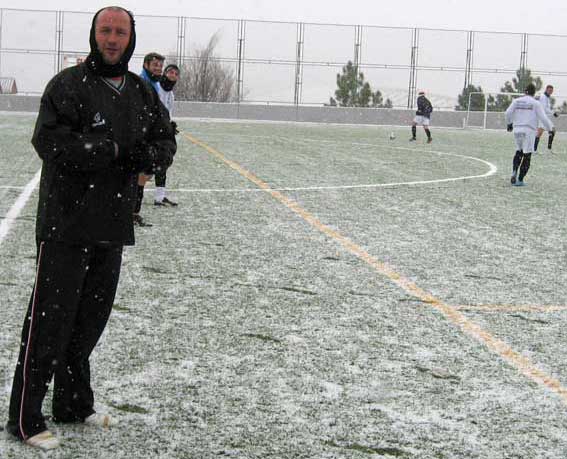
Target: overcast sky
{"x":543,"y":16}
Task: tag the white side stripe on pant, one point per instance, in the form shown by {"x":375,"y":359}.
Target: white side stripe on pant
{"x":28,"y":344}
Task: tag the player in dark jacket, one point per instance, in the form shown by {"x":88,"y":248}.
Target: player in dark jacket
{"x":422,"y":117}
{"x":98,"y":126}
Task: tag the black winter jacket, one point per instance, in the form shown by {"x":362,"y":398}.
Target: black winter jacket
{"x":87,"y":192}
{"x":424,"y":107}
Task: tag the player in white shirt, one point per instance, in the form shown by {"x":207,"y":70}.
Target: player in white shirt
{"x":165,"y":92}
{"x":545,"y":101}
{"x":523,"y":117}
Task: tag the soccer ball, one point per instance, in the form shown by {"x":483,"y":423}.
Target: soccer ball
{"x":392,"y":136}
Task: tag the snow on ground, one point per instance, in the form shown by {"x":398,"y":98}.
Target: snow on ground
{"x":240,"y":330}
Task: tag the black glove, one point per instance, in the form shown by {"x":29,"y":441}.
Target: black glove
{"x":556,"y":114}
{"x":174,"y":127}
{"x":510,"y":127}
{"x":153,"y":160}
{"x":142,"y":157}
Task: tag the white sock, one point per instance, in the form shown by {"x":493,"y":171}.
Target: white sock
{"x":159,"y":194}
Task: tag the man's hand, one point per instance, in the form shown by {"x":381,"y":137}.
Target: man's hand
{"x":510,"y":127}
{"x":174,"y":127}
{"x":142,"y":157}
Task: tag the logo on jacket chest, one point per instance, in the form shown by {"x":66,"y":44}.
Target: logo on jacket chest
{"x":98,"y":120}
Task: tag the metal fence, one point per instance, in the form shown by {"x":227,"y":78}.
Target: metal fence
{"x":294,"y":63}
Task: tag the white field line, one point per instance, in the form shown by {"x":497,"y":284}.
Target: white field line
{"x":18,"y":206}
{"x":510,"y":308}
{"x":524,"y":365}
{"x":492,"y":169}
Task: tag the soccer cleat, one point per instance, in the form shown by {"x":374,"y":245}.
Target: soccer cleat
{"x":139,"y":221}
{"x":159,"y":203}
{"x":519,"y":183}
{"x":429,"y":140}
{"x":44,"y":440}
{"x":413,"y":139}
{"x":101,"y":420}
{"x":513,"y":180}
{"x":169,"y":202}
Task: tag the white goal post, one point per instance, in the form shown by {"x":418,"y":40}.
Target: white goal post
{"x":476,"y":119}
{"x":478,"y":110}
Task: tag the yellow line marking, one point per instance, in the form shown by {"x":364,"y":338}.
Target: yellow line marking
{"x":522,"y":364}
{"x":510,"y":308}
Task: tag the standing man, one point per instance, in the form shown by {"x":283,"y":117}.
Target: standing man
{"x":545,"y":101}
{"x":151,"y":73}
{"x":523,"y":116}
{"x":98,"y":126}
{"x":422,"y":117}
{"x":167,"y":83}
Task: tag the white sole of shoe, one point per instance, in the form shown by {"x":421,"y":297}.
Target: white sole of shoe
{"x":45,"y":441}
{"x":101,"y":420}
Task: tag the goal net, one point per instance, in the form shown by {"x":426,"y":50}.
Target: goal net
{"x":487,"y":109}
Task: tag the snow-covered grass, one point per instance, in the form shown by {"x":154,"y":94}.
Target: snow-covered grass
{"x":241,"y":330}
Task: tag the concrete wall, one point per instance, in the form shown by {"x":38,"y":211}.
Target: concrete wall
{"x":13,"y":103}
{"x":370,"y":116}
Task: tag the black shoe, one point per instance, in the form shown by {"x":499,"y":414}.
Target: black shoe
{"x":166,"y":201}
{"x":413,"y":139}
{"x":139,"y":221}
{"x":159,"y":203}
{"x":429,"y":140}
{"x":513,"y":180}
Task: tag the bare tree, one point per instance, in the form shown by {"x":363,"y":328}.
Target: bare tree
{"x":205,"y":78}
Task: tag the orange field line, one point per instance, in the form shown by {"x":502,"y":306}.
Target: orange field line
{"x":510,"y":308}
{"x":451,"y":313}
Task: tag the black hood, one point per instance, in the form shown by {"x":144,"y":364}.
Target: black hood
{"x":165,"y":83}
{"x":94,"y":60}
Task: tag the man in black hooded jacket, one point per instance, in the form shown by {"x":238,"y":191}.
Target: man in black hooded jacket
{"x":98,"y":127}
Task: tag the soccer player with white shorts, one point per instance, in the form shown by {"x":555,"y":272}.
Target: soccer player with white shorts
{"x":422,"y":117}
{"x":545,"y":101}
{"x":523,"y":116}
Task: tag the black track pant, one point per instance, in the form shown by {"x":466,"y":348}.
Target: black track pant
{"x":68,"y":311}
{"x":139,"y":199}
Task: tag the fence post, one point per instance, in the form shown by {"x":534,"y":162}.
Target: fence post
{"x":469,"y":62}
{"x":357,"y":47}
{"x":59,"y":18}
{"x":299,"y":63}
{"x":181,"y":27}
{"x":524,"y":53}
{"x":1,"y":24}
{"x":241,"y":45}
{"x":413,"y":67}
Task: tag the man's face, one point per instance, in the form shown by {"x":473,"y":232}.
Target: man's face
{"x":155,"y":67}
{"x":112,"y":35}
{"x":172,"y":75}
{"x":549,"y":90}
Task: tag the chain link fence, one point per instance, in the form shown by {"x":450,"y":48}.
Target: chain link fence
{"x":294,"y":63}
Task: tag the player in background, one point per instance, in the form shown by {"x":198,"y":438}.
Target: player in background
{"x":422,"y":117}
{"x":545,"y":101}
{"x":166,"y":84}
{"x":151,"y":72}
{"x":523,"y":116}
